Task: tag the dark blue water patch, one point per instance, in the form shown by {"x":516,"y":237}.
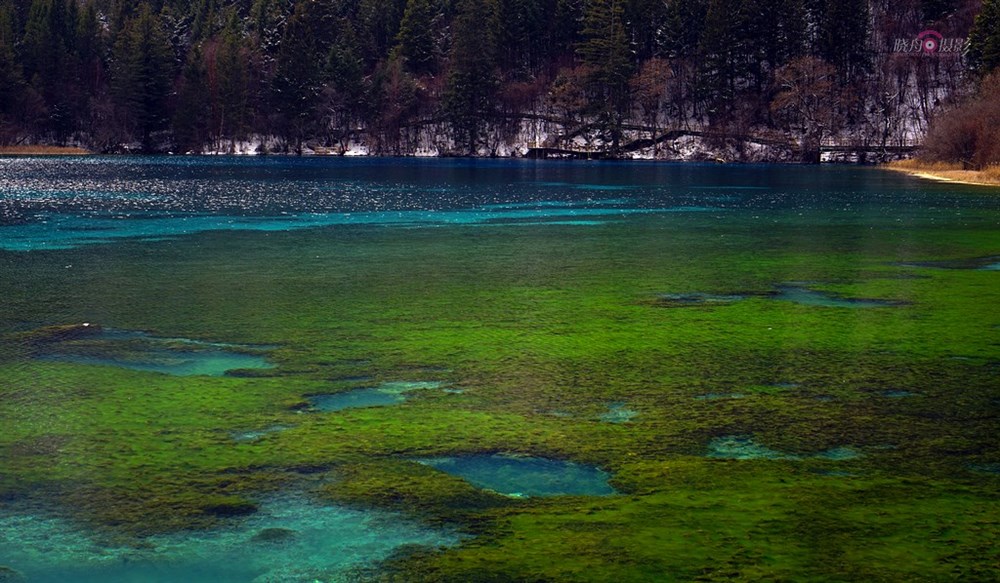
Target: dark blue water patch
{"x":386,"y":394}
{"x":696,"y":299}
{"x":802,"y":295}
{"x":989,"y":263}
{"x":523,"y":476}
{"x":144,"y":352}
{"x":618,"y":413}
{"x":898,"y":394}
{"x":290,"y":538}
{"x":986,"y":468}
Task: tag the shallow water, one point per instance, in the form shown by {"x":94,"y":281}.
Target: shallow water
{"x":809,"y":297}
{"x":388,"y":393}
{"x":143,"y":352}
{"x":319,"y":279}
{"x":290,"y":538}
{"x":523,"y":476}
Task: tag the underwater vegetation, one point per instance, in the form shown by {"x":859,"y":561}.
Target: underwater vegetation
{"x":652,"y":398}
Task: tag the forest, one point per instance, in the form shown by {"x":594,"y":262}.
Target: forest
{"x":484,"y":77}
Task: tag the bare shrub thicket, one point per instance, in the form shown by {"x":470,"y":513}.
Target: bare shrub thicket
{"x":968,"y":134}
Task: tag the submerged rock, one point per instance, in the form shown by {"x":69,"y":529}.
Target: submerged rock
{"x":9,"y":575}
{"x":274,"y":535}
{"x":227,"y":507}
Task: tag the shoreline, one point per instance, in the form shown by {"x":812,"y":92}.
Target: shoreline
{"x":43,"y":151}
{"x":963,"y":177}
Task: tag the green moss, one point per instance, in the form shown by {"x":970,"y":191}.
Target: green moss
{"x":525,"y":325}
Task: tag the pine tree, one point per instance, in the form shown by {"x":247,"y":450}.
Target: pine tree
{"x":843,"y":37}
{"x":680,"y":34}
{"x":191,"y":120}
{"x":607,"y":55}
{"x":472,"y":81}
{"x":11,"y":76}
{"x":142,"y":74}
{"x":343,"y":92}
{"x":232,"y":69}
{"x":417,"y":38}
{"x":378,"y":23}
{"x":984,"y":40}
{"x":297,"y":82}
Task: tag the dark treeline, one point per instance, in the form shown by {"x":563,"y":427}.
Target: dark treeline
{"x":187,"y":75}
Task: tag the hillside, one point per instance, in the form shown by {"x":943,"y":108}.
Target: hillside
{"x":689,"y":79}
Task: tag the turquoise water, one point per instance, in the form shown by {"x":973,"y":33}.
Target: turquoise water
{"x":808,"y":297}
{"x":66,"y":203}
{"x":358,"y":398}
{"x":291,"y":538}
{"x":389,"y":393}
{"x":144,"y":352}
{"x":619,"y":413}
{"x":525,"y":476}
{"x":531,"y":306}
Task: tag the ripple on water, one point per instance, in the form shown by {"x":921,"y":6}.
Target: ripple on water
{"x":317,"y":542}
{"x":524,"y":476}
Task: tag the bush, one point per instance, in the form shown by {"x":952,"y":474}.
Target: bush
{"x":970,"y":133}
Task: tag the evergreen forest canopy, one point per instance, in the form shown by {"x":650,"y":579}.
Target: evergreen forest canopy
{"x":193,"y":75}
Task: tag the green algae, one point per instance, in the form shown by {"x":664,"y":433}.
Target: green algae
{"x":524,"y":322}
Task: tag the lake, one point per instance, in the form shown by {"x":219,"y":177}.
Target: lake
{"x":236,"y":369}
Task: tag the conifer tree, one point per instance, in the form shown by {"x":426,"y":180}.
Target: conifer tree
{"x":298,"y":77}
{"x":142,"y":74}
{"x":472,"y":81}
{"x":191,"y":120}
{"x":606,"y":53}
{"x":11,"y":76}
{"x":416,"y":41}
{"x":232,"y":70}
{"x":984,"y":40}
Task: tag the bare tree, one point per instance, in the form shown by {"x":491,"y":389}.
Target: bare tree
{"x":650,"y":88}
{"x":809,"y":102}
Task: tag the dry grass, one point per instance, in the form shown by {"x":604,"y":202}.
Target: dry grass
{"x":947,"y":172}
{"x":42,"y":151}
